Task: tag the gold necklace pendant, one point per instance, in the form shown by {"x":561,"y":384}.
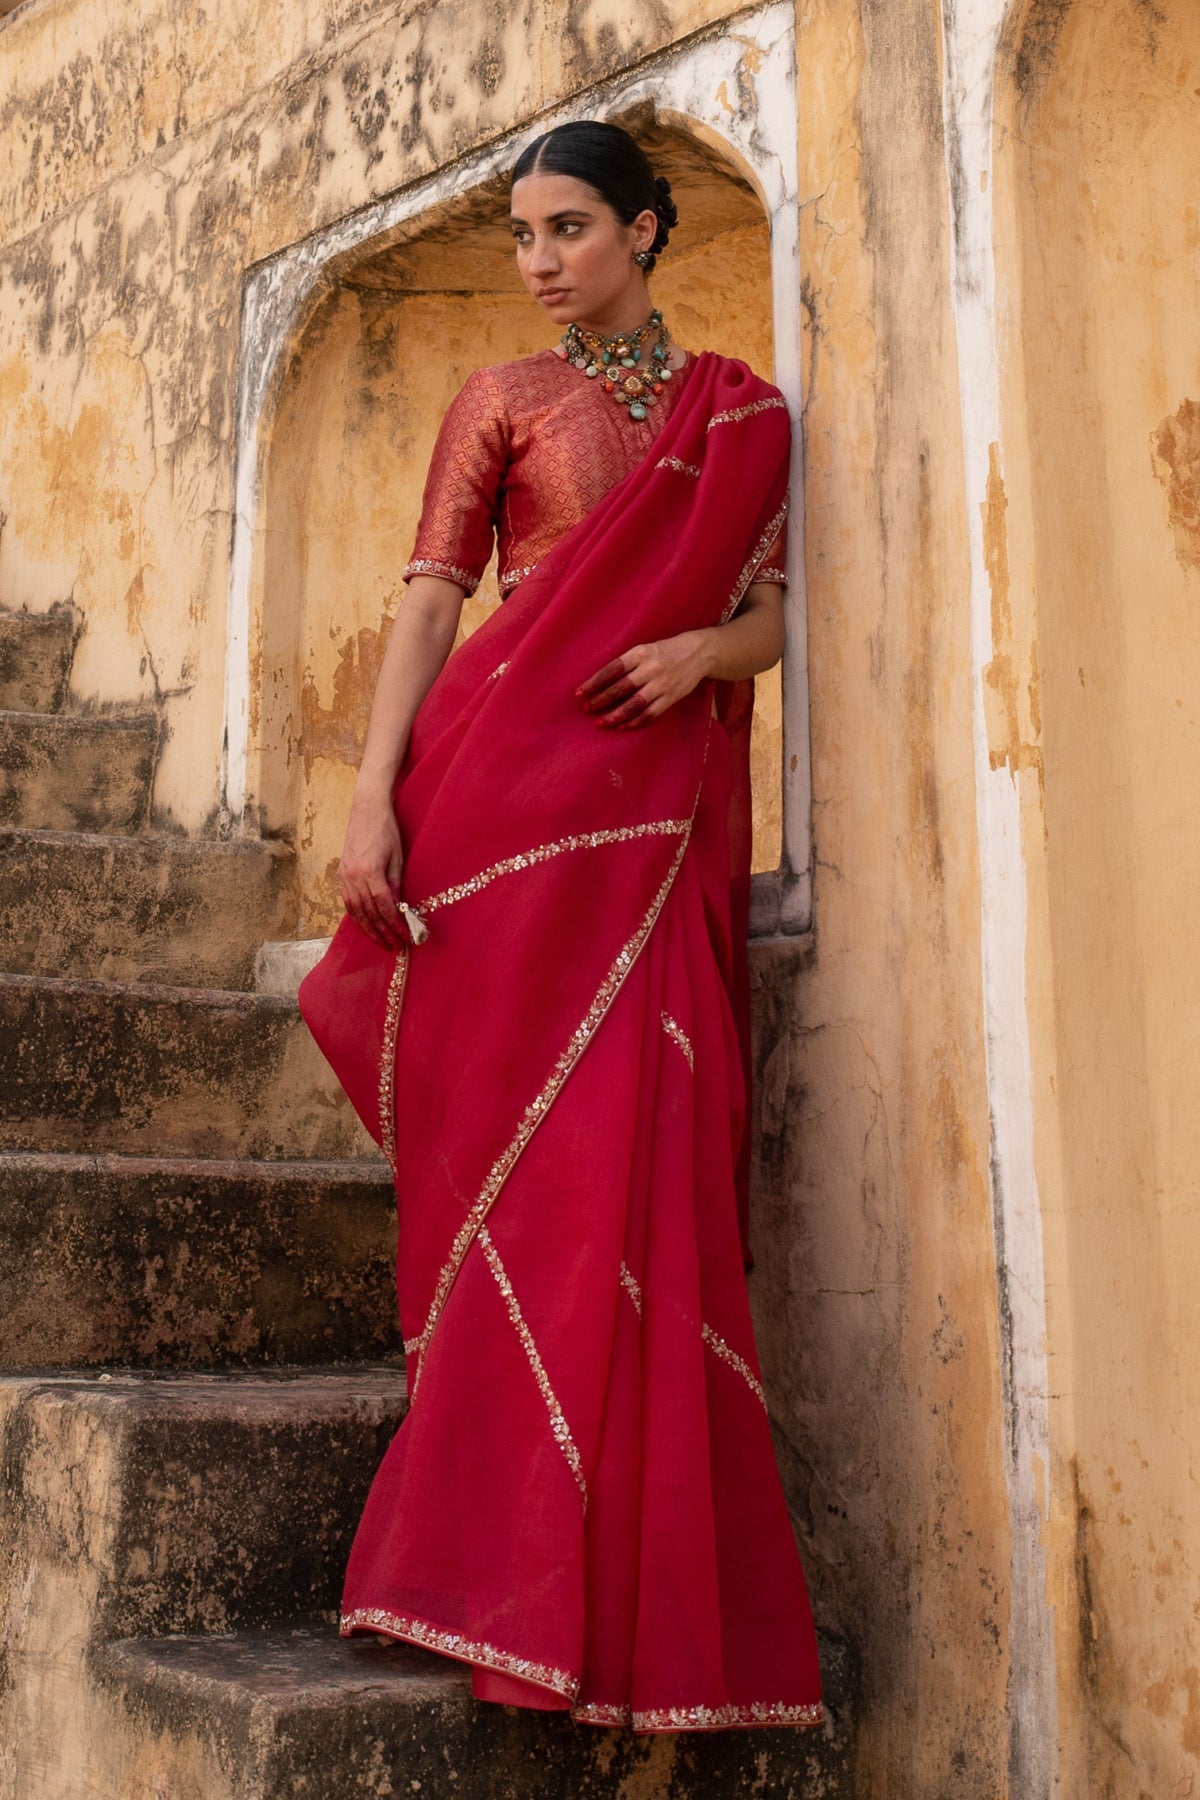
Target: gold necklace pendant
{"x":632,"y":378}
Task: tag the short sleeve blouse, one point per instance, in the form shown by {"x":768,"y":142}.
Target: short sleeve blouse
{"x":526,"y":449}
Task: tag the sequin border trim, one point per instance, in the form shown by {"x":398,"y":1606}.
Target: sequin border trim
{"x":779,"y":575}
{"x":679,"y":1037}
{"x":558,"y":1419}
{"x":728,"y":1354}
{"x":528,"y":859}
{"x":765,"y":540}
{"x":682,"y":468}
{"x":452,"y":1643}
{"x":510,"y":577}
{"x":423,"y":565}
{"x":540,"y":1105}
{"x":746,"y":412}
{"x":387,"y":1057}
{"x":713,"y":1339}
{"x":701,"y":1718}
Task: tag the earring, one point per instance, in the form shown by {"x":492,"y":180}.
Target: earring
{"x":641,"y":258}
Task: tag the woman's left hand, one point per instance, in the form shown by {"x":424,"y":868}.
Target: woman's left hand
{"x":640,"y":686}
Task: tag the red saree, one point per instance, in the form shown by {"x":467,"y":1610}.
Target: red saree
{"x":583,"y":1500}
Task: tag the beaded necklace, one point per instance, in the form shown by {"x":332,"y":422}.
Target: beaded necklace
{"x":617,"y":362}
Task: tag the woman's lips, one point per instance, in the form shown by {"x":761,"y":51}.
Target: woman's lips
{"x":550,"y":295}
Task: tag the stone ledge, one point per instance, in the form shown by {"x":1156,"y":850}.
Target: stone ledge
{"x":145,"y":908}
{"x":132,"y":1068}
{"x":183,"y":1503}
{"x":296,"y":1710}
{"x":178,"y":1262}
{"x":63,"y":772}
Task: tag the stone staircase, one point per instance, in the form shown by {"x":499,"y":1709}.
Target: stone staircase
{"x":198,"y":1346}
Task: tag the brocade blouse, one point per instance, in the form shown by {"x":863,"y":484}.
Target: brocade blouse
{"x":525,"y":451}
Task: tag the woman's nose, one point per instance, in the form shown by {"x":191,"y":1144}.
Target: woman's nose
{"x":544,"y":258}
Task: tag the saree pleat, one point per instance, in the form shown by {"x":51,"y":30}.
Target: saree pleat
{"x":583,"y":1500}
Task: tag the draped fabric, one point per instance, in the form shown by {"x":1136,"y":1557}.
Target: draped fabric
{"x":582,"y":1501}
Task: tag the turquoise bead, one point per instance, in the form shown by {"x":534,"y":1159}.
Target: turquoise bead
{"x":592,"y":369}
{"x":637,"y":412}
{"x":627,"y":362}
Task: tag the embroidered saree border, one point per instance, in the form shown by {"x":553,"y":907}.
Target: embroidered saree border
{"x":713,"y":1339}
{"x":679,"y":1038}
{"x":464,"y":1649}
{"x":540,"y":1105}
{"x":700,"y":1718}
{"x":746,"y":412}
{"x":562,"y":1682}
{"x":528,"y":859}
{"x":387,"y":1056}
{"x":749,"y":567}
{"x":558,"y":1419}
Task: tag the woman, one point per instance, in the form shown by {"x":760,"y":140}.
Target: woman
{"x":534,"y":1004}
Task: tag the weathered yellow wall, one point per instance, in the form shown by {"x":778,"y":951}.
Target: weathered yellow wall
{"x":1097,"y":683}
{"x":197,"y":152}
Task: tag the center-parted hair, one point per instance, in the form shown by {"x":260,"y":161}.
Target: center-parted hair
{"x":611,"y":162}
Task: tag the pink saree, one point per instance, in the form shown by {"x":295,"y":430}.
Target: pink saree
{"x":582,"y":1501}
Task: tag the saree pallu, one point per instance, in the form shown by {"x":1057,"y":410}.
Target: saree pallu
{"x":582,"y":1501}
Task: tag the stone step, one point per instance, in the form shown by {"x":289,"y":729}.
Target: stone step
{"x":150,"y":1505}
{"x":157,"y":1071}
{"x":176,"y":1263}
{"x":35,"y":658}
{"x":185,"y":911}
{"x":294,"y":1711}
{"x":77,"y":772}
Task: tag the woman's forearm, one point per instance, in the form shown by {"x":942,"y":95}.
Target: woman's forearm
{"x":421,"y":638}
{"x":749,"y":642}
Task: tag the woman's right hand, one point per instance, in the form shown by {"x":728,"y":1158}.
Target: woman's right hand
{"x":371,"y":867}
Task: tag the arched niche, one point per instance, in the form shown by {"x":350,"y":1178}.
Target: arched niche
{"x":396,"y":329}
{"x":1097,"y":658}
{"x":352,"y":344}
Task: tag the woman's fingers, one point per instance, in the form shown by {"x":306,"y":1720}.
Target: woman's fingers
{"x":609,"y":675}
{"x":631,"y":711}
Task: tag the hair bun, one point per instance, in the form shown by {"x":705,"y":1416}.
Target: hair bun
{"x":668,"y":212}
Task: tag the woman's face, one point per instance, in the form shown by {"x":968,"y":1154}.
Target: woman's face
{"x":575,"y":256}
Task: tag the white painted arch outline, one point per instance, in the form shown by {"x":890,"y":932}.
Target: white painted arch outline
{"x":734,"y":87}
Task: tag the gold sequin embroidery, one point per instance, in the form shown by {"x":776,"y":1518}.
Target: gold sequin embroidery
{"x":452,"y":1643}
{"x":748,"y":567}
{"x":528,"y":859}
{"x":540,"y":1105}
{"x":713,"y":1339}
{"x":498,"y":670}
{"x":387,"y":1057}
{"x":425,"y":565}
{"x":510,"y":577}
{"x":679,"y":1036}
{"x":558,"y":1419}
{"x":727,"y":1354}
{"x":683,"y":468}
{"x":779,"y":575}
{"x":746,"y":412}
{"x":720,"y":1718}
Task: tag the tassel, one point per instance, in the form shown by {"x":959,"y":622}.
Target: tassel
{"x":418,"y":930}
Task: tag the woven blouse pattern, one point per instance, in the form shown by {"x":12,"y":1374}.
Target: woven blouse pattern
{"x":525,"y":451}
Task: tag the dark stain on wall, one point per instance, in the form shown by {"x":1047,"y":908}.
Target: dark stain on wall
{"x":1175,"y":459}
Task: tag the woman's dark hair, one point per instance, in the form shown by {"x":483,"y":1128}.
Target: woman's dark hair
{"x":611,"y":162}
